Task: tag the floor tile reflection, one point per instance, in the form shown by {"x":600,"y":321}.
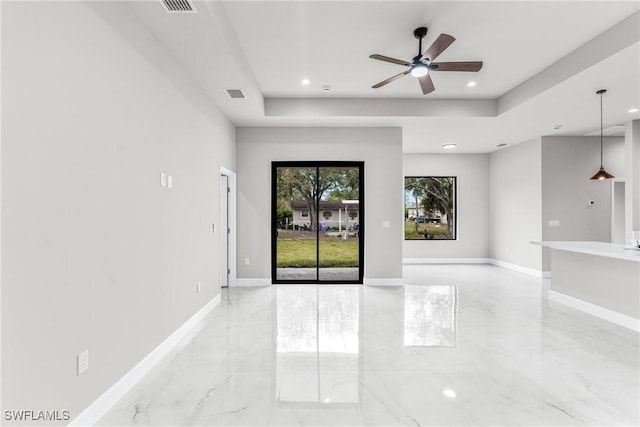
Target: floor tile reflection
{"x":457,"y":345}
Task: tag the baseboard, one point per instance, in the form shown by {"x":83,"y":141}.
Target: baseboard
{"x":253,"y":282}
{"x":391,"y":281}
{"x":515,"y":267}
{"x":412,"y":261}
{"x":101,"y":406}
{"x":596,"y":310}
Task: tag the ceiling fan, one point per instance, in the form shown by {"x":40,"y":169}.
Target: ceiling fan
{"x":423,"y":63}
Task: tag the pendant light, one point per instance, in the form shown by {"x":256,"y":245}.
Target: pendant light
{"x":602,"y":174}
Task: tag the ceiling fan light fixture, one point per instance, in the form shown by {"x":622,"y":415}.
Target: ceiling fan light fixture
{"x":419,"y":70}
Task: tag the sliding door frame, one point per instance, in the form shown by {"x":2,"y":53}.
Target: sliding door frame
{"x":274,"y":219}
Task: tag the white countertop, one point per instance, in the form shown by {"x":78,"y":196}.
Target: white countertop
{"x":610,"y":250}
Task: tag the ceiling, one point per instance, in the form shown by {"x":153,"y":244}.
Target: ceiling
{"x":543,"y":62}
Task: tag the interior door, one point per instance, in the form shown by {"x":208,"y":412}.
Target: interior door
{"x":224,"y":231}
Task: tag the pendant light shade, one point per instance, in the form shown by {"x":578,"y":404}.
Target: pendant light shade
{"x":602,"y":174}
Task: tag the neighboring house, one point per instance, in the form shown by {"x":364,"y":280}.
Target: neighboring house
{"x":412,"y":212}
{"x":334,"y":214}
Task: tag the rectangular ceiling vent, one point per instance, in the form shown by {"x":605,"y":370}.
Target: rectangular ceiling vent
{"x":235,"y":93}
{"x":178,"y":6}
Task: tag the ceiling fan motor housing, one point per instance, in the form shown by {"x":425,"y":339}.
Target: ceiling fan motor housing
{"x":420,"y":32}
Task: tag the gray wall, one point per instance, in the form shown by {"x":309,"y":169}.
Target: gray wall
{"x":379,"y":148}
{"x":472,"y":172}
{"x":515,"y":194}
{"x":567,"y":165}
{"x":95,"y":254}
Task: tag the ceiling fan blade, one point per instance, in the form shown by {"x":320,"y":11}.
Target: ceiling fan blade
{"x":442,"y":42}
{"x":426,"y":84}
{"x":457,"y":66}
{"x":387,"y":59}
{"x":390,"y":79}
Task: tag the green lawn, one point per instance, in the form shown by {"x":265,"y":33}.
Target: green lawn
{"x":302,"y":253}
{"x":410,"y":232}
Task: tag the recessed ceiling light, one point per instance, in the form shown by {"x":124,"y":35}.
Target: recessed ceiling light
{"x":556,"y":127}
{"x":306,"y":82}
{"x":501,"y":145}
{"x":471,"y":84}
{"x":449,"y":393}
{"x":448,"y":146}
{"x":326,"y":88}
{"x":633,"y":110}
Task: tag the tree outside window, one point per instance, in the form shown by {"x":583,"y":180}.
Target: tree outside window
{"x":430,"y":205}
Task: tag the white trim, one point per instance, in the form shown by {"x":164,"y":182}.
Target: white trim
{"x":515,"y":267}
{"x":390,"y":281}
{"x":546,"y":274}
{"x":411,"y":261}
{"x":232,"y":223}
{"x":101,"y":405}
{"x":253,"y":281}
{"x":595,"y":310}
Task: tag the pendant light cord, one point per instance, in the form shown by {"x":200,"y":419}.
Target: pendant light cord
{"x":601,"y":131}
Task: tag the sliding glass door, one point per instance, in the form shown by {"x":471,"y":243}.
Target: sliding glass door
{"x":317,"y":222}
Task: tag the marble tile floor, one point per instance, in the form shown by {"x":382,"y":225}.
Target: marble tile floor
{"x":457,"y":345}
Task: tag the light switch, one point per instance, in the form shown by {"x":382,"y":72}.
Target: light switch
{"x":170,"y":181}
{"x":163,"y":179}
{"x":386,"y":224}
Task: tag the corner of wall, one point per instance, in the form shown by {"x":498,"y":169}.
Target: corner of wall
{"x":515,"y":206}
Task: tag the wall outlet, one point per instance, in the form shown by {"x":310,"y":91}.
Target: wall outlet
{"x":246,"y":261}
{"x":554,"y":223}
{"x":386,"y":224}
{"x":508,"y":250}
{"x":212,"y":229}
{"x":199,"y":286}
{"x":83,"y":361}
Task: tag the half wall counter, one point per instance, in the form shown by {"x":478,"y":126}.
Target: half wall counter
{"x":602,"y":279}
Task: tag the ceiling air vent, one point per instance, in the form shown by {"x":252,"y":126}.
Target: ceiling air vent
{"x":235,"y":93}
{"x":178,"y":6}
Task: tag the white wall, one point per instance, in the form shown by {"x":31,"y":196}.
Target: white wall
{"x":95,"y":254}
{"x":379,"y":148}
{"x":515,"y":194}
{"x":567,"y":164}
{"x":472,"y":172}
{"x":632,"y":183}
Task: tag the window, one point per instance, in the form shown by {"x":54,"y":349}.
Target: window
{"x":430,"y":208}
{"x":327,"y":214}
{"x":305,"y":213}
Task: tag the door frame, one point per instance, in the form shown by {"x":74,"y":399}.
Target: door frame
{"x":228,"y":245}
{"x":274,"y":220}
{"x":614,"y":211}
